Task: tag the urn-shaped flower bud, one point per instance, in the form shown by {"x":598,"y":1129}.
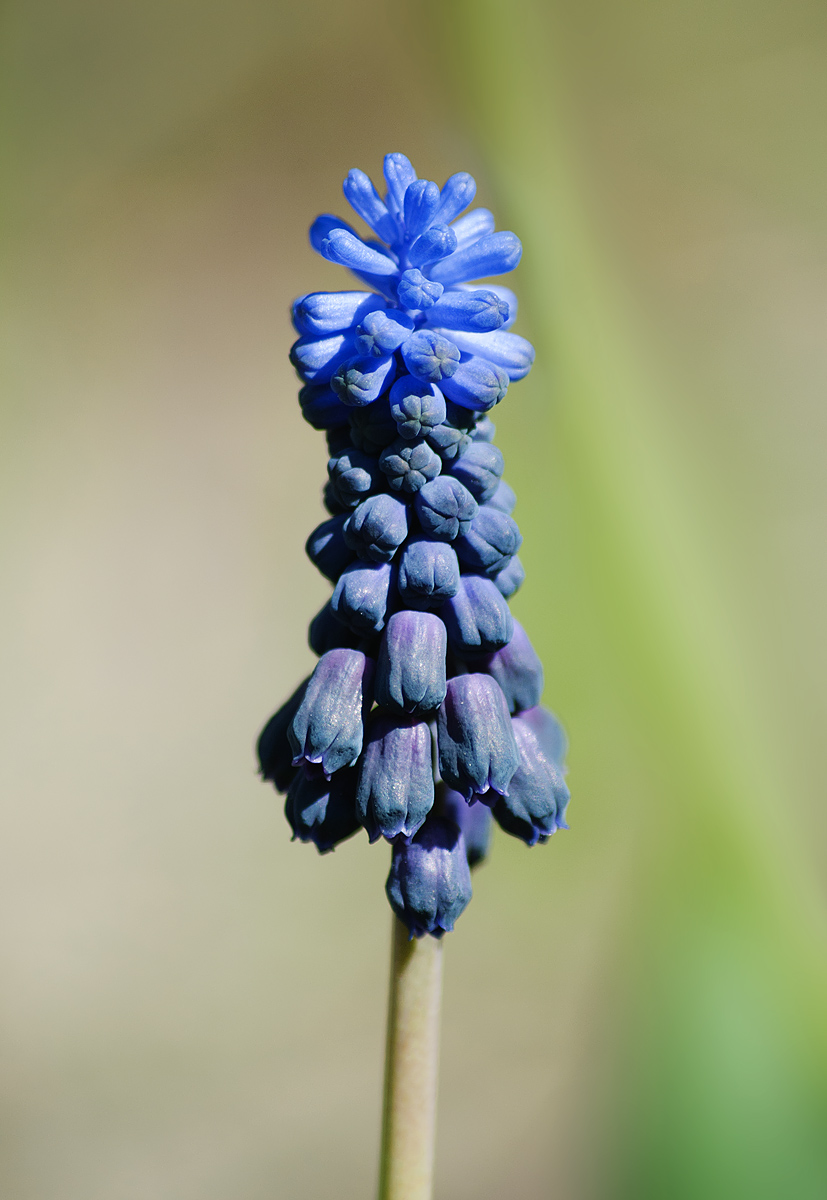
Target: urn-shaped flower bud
{"x":517,"y":670}
{"x":484,"y":430}
{"x":430,"y":357}
{"x":321,"y":407}
{"x":361,"y":596}
{"x":417,"y":292}
{"x":354,"y":475}
{"x":363,"y":379}
{"x":395,"y":791}
{"x":477,"y":618}
{"x":477,"y":751}
{"x":479,"y":469}
{"x":275,"y":754}
{"x":429,"y":884}
{"x":327,"y":549}
{"x":410,"y":675}
{"x":416,"y":407}
{"x":490,"y":543}
{"x":408,"y":466}
{"x":535,"y":806}
{"x":428,"y":573}
{"x":321,"y":313}
{"x":504,"y":498}
{"x":322,"y":811}
{"x":445,"y":509}
{"x":377,"y":528}
{"x":327,"y":632}
{"x":473,"y":819}
{"x":476,"y":384}
{"x":372,"y":427}
{"x":328,"y":727}
{"x":510,"y":578}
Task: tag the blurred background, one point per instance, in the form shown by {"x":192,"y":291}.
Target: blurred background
{"x":192,"y":1008}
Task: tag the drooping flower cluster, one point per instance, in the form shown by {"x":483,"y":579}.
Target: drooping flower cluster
{"x":422,"y":717}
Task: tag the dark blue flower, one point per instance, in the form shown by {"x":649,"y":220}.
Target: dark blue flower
{"x":517,"y":670}
{"x":275,"y":754}
{"x":477,"y":751}
{"x":395,"y":791}
{"x":354,"y":475}
{"x":321,"y":810}
{"x":473,"y":819}
{"x":479,"y":468}
{"x":490,"y":543}
{"x":376,"y":529}
{"x":428,"y":573}
{"x":510,"y":578}
{"x":372,"y":427}
{"x":328,"y":726}
{"x":408,"y":466}
{"x":416,"y":407}
{"x":477,"y":618}
{"x":410,"y":675}
{"x":535,"y":806}
{"x":445,"y":509}
{"x":429,"y":885}
{"x":361,"y":597}
{"x":327,"y":632}
{"x":327,"y":549}
{"x":549,"y":732}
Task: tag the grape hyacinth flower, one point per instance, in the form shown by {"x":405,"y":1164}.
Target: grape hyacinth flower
{"x":421,"y":723}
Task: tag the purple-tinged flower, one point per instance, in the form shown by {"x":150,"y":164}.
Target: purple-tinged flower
{"x":327,"y":632}
{"x":429,"y":885}
{"x":504,"y":498}
{"x":477,"y":618}
{"x":510,"y":578}
{"x":361,"y":597}
{"x":395,"y":791}
{"x":327,"y":549}
{"x":275,"y":754}
{"x":535,"y":805}
{"x":416,"y":407}
{"x":376,"y":529}
{"x":490,"y":543}
{"x":477,"y":751}
{"x":479,"y":469}
{"x":549,"y":732}
{"x":328,"y":726}
{"x":517,"y":670}
{"x":410,"y":674}
{"x":428,"y":573}
{"x":445,"y":509}
{"x":484,"y":430}
{"x":473,"y":819}
{"x":408,"y":466}
{"x":322,"y":811}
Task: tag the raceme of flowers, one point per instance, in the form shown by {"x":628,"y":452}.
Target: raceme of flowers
{"x":422,"y":718}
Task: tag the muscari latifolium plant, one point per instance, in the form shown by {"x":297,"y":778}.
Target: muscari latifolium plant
{"x":422,"y":718}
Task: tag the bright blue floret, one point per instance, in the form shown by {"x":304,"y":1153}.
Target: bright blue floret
{"x":420,"y":660}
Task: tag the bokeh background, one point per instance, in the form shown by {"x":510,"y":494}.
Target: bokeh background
{"x":192,"y":1008}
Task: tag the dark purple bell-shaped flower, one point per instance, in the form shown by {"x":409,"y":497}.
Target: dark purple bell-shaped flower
{"x":535,"y":806}
{"x":327,"y":549}
{"x":322,"y":811}
{"x":517,"y":670}
{"x":353,"y":476}
{"x":550,"y":734}
{"x":409,"y":465}
{"x":445,"y":509}
{"x":328,"y":727}
{"x":395,"y":791}
{"x":429,"y":885}
{"x":477,"y":751}
{"x":477,"y":618}
{"x":327,"y":632}
{"x":510,"y":578}
{"x":377,"y":528}
{"x":361,"y":596}
{"x":473,"y":819}
{"x":490,"y":543}
{"x":428,"y":573}
{"x":416,"y":407}
{"x":480,"y":470}
{"x":410,"y":675}
{"x":275,"y":754}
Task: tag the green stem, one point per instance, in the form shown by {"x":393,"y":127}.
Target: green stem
{"x":411,"y":1068}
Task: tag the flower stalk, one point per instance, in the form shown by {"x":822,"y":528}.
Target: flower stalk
{"x":411,"y":1067}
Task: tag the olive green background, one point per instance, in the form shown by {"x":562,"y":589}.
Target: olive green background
{"x":192,"y":1008}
